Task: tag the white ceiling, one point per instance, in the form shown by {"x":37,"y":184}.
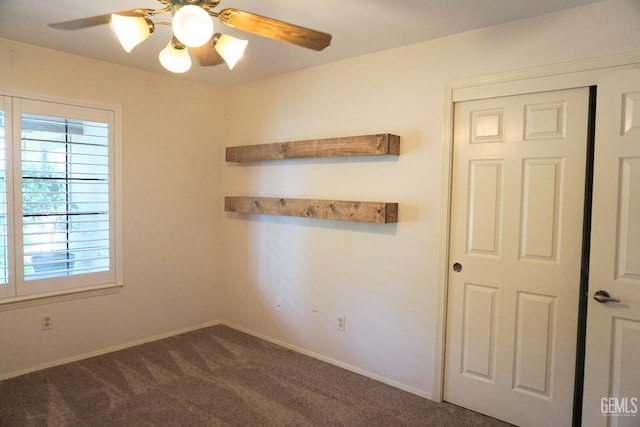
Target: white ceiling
{"x":358,"y":27}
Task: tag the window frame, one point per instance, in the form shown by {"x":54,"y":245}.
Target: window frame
{"x":17,"y":289}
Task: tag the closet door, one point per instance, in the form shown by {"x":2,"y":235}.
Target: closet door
{"x":612,"y":372}
{"x":515,"y":253}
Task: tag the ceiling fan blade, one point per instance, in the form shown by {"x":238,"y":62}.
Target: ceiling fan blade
{"x":207,"y":55}
{"x":272,"y":28}
{"x":93,"y":21}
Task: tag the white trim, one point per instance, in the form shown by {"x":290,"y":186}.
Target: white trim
{"x":443,"y":248}
{"x":33,"y":300}
{"x":286,"y":345}
{"x":538,"y":79}
{"x":554,"y":70}
{"x":10,"y":286}
{"x":59,"y":99}
{"x":348,"y":367}
{"x":106,"y":350}
{"x":118,"y":208}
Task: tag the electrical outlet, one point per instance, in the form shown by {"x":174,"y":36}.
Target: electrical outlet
{"x":342,"y":323}
{"x":46,"y":322}
{"x":278,"y":304}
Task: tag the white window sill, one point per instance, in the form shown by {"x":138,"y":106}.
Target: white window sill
{"x":66,"y":295}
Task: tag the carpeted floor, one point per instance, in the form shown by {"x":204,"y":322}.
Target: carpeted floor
{"x":215,"y":377}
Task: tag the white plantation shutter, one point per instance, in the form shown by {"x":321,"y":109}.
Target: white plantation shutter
{"x":57,"y":210}
{"x":4,"y":246}
{"x":65,"y":196}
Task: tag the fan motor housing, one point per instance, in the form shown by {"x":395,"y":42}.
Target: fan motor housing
{"x":207,"y":4}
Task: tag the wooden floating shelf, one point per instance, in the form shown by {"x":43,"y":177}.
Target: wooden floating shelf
{"x":365,"y":145}
{"x":375,"y":212}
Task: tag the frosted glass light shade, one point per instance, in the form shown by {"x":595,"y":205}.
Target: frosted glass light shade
{"x":175,"y":60}
{"x":131,"y":30}
{"x":192,"y":25}
{"x":231,"y":49}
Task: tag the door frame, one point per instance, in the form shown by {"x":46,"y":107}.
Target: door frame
{"x":538,"y":79}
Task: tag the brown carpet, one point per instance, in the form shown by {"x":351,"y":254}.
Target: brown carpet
{"x":215,"y":376}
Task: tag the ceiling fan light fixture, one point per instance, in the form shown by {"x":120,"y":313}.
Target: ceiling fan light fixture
{"x":192,"y":25}
{"x":231,"y":49}
{"x":131,"y":30}
{"x":175,"y":58}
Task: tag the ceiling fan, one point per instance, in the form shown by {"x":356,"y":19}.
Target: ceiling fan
{"x":193,"y":28}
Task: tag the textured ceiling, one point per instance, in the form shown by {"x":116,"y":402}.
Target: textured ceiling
{"x":358,"y":27}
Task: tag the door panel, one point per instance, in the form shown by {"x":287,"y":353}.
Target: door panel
{"x":628,"y":265}
{"x":535,"y":337}
{"x":478,"y":357}
{"x":516,"y":230}
{"x":612,"y":363}
{"x":485,"y":181}
{"x":541,"y":209}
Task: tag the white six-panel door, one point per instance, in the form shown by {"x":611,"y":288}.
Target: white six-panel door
{"x":516,"y":240}
{"x":612,"y":374}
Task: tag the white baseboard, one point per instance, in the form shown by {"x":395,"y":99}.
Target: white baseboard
{"x":401,"y":386}
{"x":396,"y":384}
{"x":100,"y":352}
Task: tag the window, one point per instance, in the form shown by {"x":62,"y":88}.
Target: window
{"x":57,"y":197}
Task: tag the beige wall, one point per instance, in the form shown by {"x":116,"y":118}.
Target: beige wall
{"x":170,"y":179}
{"x":383,"y":278}
{"x":188,"y":263}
